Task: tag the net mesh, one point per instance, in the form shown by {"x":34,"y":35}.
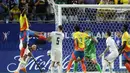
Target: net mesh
{"x":99,"y":20}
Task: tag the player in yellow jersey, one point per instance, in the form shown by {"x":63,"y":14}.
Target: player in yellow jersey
{"x":25,"y":32}
{"x":125,"y":50}
{"x":79,"y":45}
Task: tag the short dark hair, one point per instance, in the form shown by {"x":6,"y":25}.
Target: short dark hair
{"x":77,"y":28}
{"x":108,"y":33}
{"x":60,"y":27}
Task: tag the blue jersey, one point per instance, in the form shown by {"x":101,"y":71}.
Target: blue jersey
{"x":118,"y":41}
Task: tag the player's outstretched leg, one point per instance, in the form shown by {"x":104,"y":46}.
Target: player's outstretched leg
{"x":69,"y":65}
{"x":37,"y":34}
{"x":24,"y":37}
{"x":75,"y":66}
{"x":83,"y":66}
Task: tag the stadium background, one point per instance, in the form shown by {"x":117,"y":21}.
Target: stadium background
{"x":9,"y":47}
{"x":9,"y":35}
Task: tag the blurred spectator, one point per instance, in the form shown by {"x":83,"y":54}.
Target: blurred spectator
{"x":10,"y":3}
{"x":50,"y":10}
{"x":14,"y":13}
{"x":107,"y":2}
{"x":107,"y":13}
{"x":3,"y":10}
{"x":123,"y":1}
{"x":41,"y":8}
{"x":22,"y":4}
{"x":30,"y":9}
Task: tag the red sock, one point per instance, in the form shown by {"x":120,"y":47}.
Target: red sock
{"x":22,"y":52}
{"x":69,"y":65}
{"x":41,"y":37}
{"x":127,"y":65}
{"x":83,"y":66}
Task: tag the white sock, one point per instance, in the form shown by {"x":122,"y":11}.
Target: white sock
{"x":105,"y":63}
{"x":59,"y":69}
{"x":52,"y":69}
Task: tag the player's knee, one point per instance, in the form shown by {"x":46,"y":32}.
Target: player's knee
{"x":105,"y":63}
{"x":94,"y":61}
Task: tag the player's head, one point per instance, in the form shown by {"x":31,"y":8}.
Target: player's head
{"x":108,"y":34}
{"x":24,"y":10}
{"x":118,"y":34}
{"x":125,"y":28}
{"x":60,"y":28}
{"x":76,"y":28}
{"x":33,"y":47}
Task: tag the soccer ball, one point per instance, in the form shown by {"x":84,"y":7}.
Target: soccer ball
{"x":49,"y":52}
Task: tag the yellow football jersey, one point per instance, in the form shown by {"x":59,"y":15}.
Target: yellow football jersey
{"x":80,"y":37}
{"x":126,"y":37}
{"x":24,"y":25}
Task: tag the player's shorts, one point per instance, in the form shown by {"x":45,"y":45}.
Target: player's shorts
{"x":91,"y":56}
{"x":56,"y":55}
{"x":124,"y":57}
{"x":112,"y":56}
{"x":24,"y":35}
{"x":78,"y":55}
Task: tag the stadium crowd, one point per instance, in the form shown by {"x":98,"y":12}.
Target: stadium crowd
{"x":41,"y":9}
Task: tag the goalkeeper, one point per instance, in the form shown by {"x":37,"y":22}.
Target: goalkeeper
{"x":90,"y":51}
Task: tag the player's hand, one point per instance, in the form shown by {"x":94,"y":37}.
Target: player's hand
{"x":101,"y":55}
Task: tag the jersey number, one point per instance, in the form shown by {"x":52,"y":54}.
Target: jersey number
{"x":57,"y":40}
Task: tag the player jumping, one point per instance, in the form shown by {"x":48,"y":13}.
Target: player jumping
{"x":90,"y":50}
{"x":112,"y":47}
{"x":26,"y":57}
{"x":56,"y":38}
{"x":79,"y":45}
{"x":25,"y":32}
{"x":126,"y":47}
